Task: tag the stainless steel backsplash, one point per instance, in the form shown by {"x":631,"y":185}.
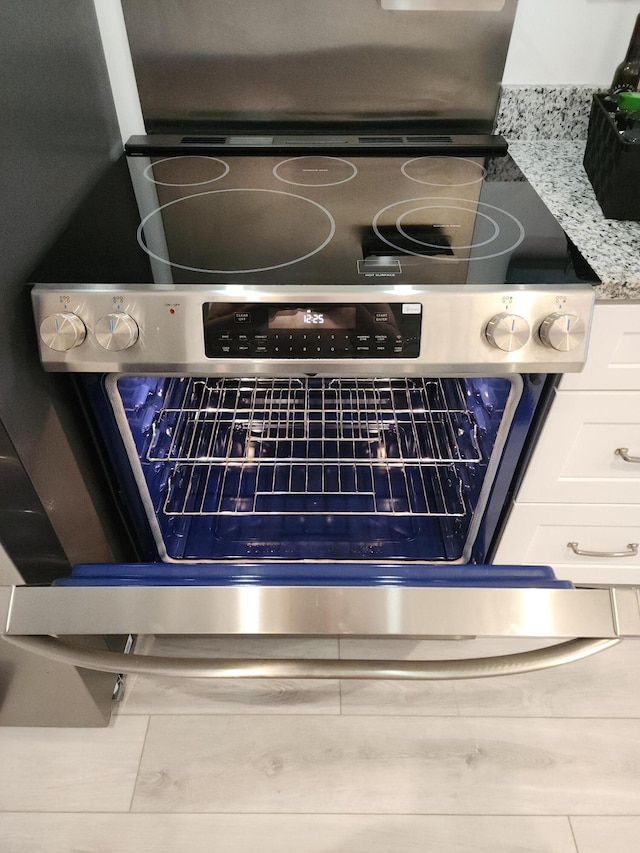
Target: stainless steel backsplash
{"x":202,"y":62}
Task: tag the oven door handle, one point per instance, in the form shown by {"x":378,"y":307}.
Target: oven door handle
{"x":423,"y":670}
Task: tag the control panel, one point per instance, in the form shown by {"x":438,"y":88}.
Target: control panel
{"x":235,"y":330}
{"x":312,"y":330}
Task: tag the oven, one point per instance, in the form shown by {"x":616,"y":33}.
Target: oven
{"x":314,"y":378}
{"x":299,"y":339}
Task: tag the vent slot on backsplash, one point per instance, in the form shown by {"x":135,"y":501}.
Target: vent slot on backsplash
{"x":204,"y":140}
{"x":315,"y":140}
{"x":426,"y":139}
{"x":430,"y":140}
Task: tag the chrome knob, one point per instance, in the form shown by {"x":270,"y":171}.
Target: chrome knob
{"x":508,"y":332}
{"x":62,"y":331}
{"x":116,"y":331}
{"x":562,"y":332}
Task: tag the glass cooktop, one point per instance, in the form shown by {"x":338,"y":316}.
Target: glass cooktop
{"x":314,"y":220}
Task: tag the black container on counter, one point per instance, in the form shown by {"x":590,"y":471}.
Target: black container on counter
{"x":612,"y":159}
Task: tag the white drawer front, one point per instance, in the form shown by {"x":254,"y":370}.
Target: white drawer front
{"x":613,"y":360}
{"x":538,"y":534}
{"x":575,"y":459}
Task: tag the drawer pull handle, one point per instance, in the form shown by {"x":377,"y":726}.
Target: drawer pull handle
{"x":410,"y":670}
{"x":624,"y":452}
{"x":631,"y":552}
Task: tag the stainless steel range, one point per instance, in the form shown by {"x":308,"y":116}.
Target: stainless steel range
{"x":314,"y":360}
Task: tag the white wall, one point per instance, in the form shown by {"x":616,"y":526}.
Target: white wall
{"x":569,"y":41}
{"x":120,"y":67}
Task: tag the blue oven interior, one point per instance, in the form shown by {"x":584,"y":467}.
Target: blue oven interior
{"x":313,"y":480}
{"x":322,"y":469}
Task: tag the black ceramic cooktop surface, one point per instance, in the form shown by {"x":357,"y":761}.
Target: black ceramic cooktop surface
{"x":314,"y":220}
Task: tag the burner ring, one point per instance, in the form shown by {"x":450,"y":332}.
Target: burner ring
{"x":443,"y":203}
{"x":496,"y":227}
{"x":148,"y":172}
{"x":354,"y":171}
{"x":481,"y":171}
{"x":207,"y":270}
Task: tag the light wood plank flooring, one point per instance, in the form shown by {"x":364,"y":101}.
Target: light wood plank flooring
{"x":540,"y":763}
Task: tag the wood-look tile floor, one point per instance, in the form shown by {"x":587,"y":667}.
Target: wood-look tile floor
{"x":547,"y":762}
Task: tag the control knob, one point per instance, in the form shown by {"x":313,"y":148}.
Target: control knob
{"x":116,"y":331}
{"x":62,"y":331}
{"x":562,"y":332}
{"x":508,"y":332}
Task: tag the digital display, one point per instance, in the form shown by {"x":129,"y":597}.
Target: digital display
{"x":312,"y":317}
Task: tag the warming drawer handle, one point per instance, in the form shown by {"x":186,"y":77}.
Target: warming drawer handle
{"x":428,"y":670}
{"x":632,"y":551}
{"x":624,"y":453}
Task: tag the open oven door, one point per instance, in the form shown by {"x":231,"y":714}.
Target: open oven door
{"x":509,"y":602}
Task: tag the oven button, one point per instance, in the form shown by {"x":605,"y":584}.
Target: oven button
{"x":508,"y":332}
{"x":562,"y":332}
{"x":62,"y":331}
{"x":116,"y":331}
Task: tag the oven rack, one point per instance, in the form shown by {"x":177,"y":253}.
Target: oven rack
{"x":208,"y":393}
{"x":314,"y":447}
{"x":314,"y":488}
{"x":353,"y":421}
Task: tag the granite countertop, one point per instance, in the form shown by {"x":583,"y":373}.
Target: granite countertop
{"x":553,"y":165}
{"x":554,"y":168}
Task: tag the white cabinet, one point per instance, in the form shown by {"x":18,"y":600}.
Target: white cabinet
{"x":576,"y":459}
{"x":613,"y":362}
{"x":539,"y":534}
{"x":579,"y":494}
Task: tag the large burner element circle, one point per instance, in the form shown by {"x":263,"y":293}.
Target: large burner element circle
{"x":186,"y":171}
{"x":236,"y":230}
{"x":442,"y":227}
{"x":315,"y":171}
{"x":443,"y":171}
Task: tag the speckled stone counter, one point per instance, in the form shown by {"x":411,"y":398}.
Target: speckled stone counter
{"x":539,"y":124}
{"x":544,"y":112}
